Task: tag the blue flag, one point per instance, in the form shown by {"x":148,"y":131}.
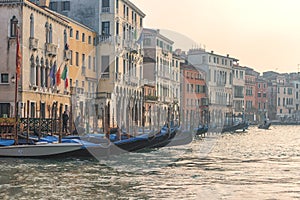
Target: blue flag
{"x":52,"y":74}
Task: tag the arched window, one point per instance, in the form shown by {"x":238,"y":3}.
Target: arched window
{"x":31,"y":26}
{"x":50,"y":33}
{"x":32,"y":71}
{"x":42,"y":72}
{"x":47,"y":32}
{"x":37,"y":71}
{"x":13,"y":26}
{"x":66,"y":40}
{"x":47,"y":77}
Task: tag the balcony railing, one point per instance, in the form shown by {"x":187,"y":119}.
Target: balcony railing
{"x":105,"y":9}
{"x":51,"y":49}
{"x":33,"y":44}
{"x":151,"y":98}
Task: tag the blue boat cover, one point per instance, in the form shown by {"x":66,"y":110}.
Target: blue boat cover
{"x":6,"y":142}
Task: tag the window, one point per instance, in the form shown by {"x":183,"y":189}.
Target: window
{"x":83,"y":37}
{"x":71,"y":58}
{"x":265,"y":95}
{"x":13,"y":26}
{"x":83,"y":59}
{"x":94,"y":64}
{"x":141,"y":22}
{"x":32,"y":109}
{"x":31,"y":26}
{"x":77,"y":59}
{"x":117,"y":28}
{"x":77,"y":35}
{"x":90,"y":62}
{"x":53,"y":6}
{"x":105,"y":3}
{"x":32,"y":71}
{"x":278,"y":101}
{"x":4,"y":109}
{"x":50,"y":33}
{"x":90,"y":40}
{"x":105,"y":28}
{"x":105,"y":64}
{"x":71,"y":32}
{"x":4,"y":78}
{"x":66,"y":5}
{"x":259,"y":85}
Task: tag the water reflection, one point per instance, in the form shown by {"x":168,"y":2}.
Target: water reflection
{"x":257,"y":164}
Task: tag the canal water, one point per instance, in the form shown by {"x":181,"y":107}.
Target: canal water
{"x":257,"y":164}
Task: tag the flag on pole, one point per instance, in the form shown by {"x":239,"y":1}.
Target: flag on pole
{"x":58,"y":77}
{"x":52,"y":74}
{"x":18,"y":57}
{"x":64,"y":76}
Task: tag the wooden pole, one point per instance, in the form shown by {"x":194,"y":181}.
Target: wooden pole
{"x":60,"y":123}
{"x":16,"y":111}
{"x":28,"y":123}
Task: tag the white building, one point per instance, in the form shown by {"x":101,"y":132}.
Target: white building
{"x":219,"y":79}
{"x":238,"y":73}
{"x":164,"y":69}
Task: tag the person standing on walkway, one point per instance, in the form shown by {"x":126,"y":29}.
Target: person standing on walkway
{"x":65,"y":122}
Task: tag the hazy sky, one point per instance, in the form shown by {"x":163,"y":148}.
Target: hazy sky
{"x":262,"y":34}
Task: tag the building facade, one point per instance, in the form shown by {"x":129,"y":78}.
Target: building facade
{"x":194,"y":101}
{"x":219,"y":80}
{"x":250,"y":95}
{"x":42,"y":42}
{"x":162,"y":67}
{"x":262,"y":99}
{"x":238,"y":74}
{"x":119,"y":56}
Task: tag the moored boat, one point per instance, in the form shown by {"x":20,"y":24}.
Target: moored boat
{"x":39,"y":150}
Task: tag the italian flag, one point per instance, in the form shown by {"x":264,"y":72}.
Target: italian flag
{"x":64,"y":76}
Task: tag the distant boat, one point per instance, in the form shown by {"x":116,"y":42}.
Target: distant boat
{"x":266,"y":125}
{"x":240,"y":126}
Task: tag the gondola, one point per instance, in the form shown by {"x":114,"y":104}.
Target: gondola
{"x":240,"y":126}
{"x":201,"y":130}
{"x":266,"y":125}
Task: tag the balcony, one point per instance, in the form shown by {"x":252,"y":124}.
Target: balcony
{"x":51,"y":49}
{"x":33,"y":44}
{"x":67,"y":55}
{"x":151,"y":98}
{"x":105,"y":39}
{"x":104,"y":75}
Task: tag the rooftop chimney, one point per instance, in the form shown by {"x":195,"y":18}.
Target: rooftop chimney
{"x":212,"y":52}
{"x":44,"y":3}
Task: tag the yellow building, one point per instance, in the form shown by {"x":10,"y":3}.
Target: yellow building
{"x":82,"y":72}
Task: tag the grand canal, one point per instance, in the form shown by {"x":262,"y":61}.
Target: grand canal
{"x":258,"y":164}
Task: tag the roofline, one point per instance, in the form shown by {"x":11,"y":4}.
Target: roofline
{"x":157,"y":32}
{"x":135,"y":8}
